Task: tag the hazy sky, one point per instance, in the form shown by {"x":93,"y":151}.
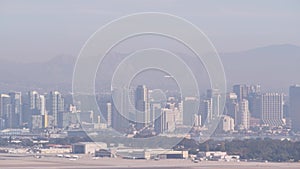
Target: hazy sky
{"x":35,"y":30}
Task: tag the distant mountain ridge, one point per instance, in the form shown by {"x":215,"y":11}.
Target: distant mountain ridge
{"x":274,"y":65}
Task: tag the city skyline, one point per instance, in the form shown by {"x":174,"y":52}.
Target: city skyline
{"x":244,"y":104}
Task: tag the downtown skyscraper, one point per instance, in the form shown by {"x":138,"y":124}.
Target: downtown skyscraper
{"x":15,"y":118}
{"x":272,"y":109}
{"x":55,"y":106}
{"x":294,"y":104}
{"x":142,"y":106}
{"x":36,"y":115}
{"x":5,"y":110}
{"x":243,"y":115}
{"x":10,"y":110}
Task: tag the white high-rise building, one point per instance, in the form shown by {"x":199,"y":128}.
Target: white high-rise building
{"x":37,"y":103}
{"x":36,"y":115}
{"x":55,"y":105}
{"x":206,"y":111}
{"x":244,"y":115}
{"x":272,"y":109}
{"x":109,"y":114}
{"x":215,"y":97}
{"x":42,"y":105}
{"x":34,"y":100}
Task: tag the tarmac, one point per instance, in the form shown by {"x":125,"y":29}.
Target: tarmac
{"x":28,"y":161}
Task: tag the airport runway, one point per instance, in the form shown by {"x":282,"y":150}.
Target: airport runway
{"x":29,"y":162}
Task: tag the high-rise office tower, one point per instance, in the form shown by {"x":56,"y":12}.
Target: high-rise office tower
{"x":255,"y":105}
{"x":36,"y":116}
{"x":155,"y":114}
{"x":31,"y":113}
{"x":215,"y":96}
{"x":5,"y":111}
{"x":294,"y":109}
{"x":121,"y":109}
{"x":55,"y":105}
{"x":177,"y":108}
{"x":286,"y":115}
{"x":206,"y":111}
{"x":254,"y":98}
{"x":232,"y":106}
{"x":42,"y":105}
{"x":142,"y":106}
{"x":272,"y":109}
{"x":34,"y":100}
{"x":37,"y":103}
{"x":243,"y":115}
{"x":157,"y":123}
{"x":189,"y":110}
{"x":241,"y":91}
{"x":168,"y":120}
{"x":104,"y":101}
{"x":109,"y":114}
{"x":16,"y":110}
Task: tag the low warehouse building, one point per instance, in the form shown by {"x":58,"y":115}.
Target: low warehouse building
{"x":87,"y":147}
{"x":151,"y":154}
